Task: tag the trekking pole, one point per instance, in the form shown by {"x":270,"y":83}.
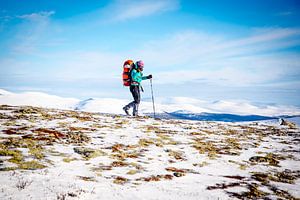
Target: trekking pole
{"x":152,"y":98}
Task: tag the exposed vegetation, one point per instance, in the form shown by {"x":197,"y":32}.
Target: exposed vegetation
{"x":106,"y":148}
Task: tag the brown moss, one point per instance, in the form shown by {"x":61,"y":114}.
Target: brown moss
{"x":286,"y":176}
{"x":101,"y":168}
{"x":206,"y":147}
{"x":16,"y":155}
{"x":223,"y":186}
{"x":68,"y":160}
{"x":8,"y":168}
{"x":120,"y":180}
{"x":231,"y":132}
{"x":150,"y":141}
{"x":253,"y":193}
{"x":31,"y":165}
{"x":77,"y":138}
{"x":178,"y":155}
{"x":173,"y":169}
{"x":119,"y":164}
{"x":89,"y":153}
{"x":132,"y":172}
{"x":28,"y":110}
{"x":261,"y":177}
{"x":282,"y":193}
{"x":49,"y":133}
{"x":87,"y":178}
{"x":37,"y":152}
{"x":264,"y":159}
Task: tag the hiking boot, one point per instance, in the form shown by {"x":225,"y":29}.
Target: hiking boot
{"x":135,"y":110}
{"x":126,"y":110}
{"x":135,"y":114}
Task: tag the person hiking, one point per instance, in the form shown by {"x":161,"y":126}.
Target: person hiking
{"x":135,"y":86}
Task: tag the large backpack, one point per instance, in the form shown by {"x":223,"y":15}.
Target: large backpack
{"x":127,"y":67}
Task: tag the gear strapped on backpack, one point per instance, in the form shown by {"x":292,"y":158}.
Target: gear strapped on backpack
{"x":127,"y":67}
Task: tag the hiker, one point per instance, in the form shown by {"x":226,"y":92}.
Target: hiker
{"x":135,"y":86}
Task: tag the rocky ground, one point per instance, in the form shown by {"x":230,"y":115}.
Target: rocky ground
{"x":64,"y":154}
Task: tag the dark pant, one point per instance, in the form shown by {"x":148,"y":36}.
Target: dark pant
{"x":135,"y":91}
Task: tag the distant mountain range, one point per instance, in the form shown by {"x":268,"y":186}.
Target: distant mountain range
{"x":217,"y":116}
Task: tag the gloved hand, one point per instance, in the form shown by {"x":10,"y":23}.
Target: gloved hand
{"x":149,"y":77}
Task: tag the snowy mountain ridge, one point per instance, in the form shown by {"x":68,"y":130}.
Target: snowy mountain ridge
{"x":176,"y":106}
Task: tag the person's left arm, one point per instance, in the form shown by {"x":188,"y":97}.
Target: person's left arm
{"x":147,"y":77}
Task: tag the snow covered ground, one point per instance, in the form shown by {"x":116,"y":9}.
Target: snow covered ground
{"x":68,"y":153}
{"x":64,"y":154}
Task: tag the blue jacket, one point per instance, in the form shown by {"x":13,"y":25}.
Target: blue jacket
{"x":137,"y":77}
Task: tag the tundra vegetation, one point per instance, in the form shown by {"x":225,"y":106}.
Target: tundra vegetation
{"x":237,"y":160}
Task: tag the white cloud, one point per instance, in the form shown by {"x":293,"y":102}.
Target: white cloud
{"x":31,"y":32}
{"x":192,"y":45}
{"x":236,"y":72}
{"x":121,"y":10}
{"x":285,"y":13}
{"x":193,"y":56}
{"x":37,"y":16}
{"x":87,"y":65}
{"x":266,"y":35}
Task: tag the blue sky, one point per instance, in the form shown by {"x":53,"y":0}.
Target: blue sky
{"x":206,"y":49}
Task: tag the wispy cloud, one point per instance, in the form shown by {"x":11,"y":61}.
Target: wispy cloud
{"x":253,"y":59}
{"x":121,"y":10}
{"x":37,"y":16}
{"x":31,"y":32}
{"x":285,"y":13}
{"x":237,"y":72}
{"x":83,"y":65}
